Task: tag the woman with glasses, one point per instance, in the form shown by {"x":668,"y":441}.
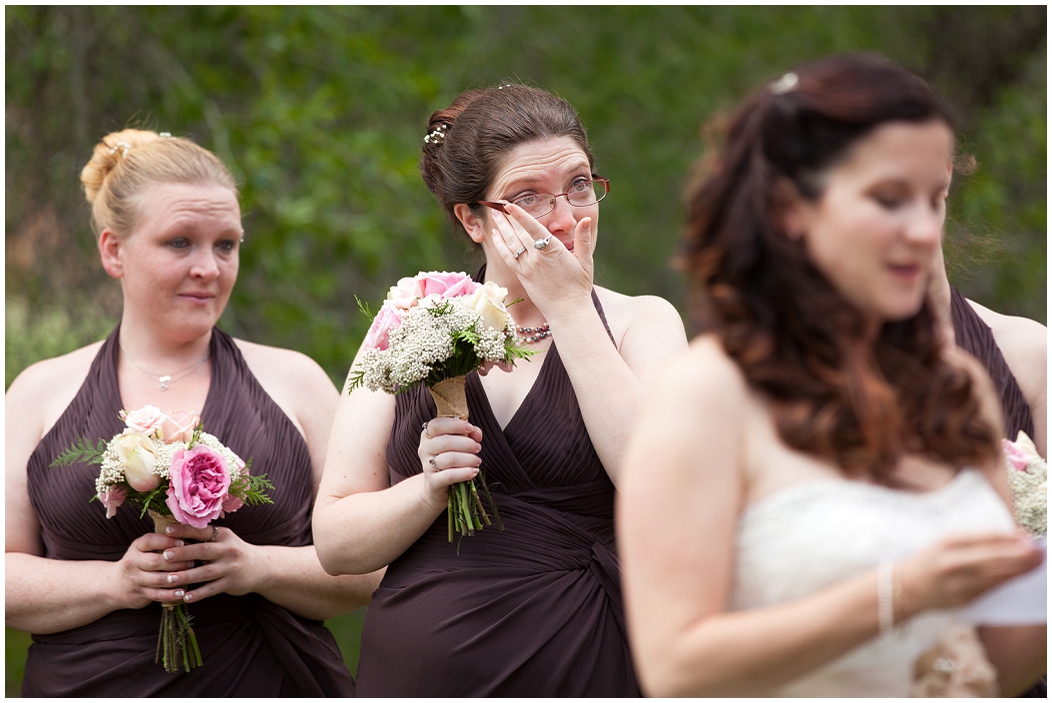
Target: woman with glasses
{"x":817,"y":487}
{"x":535,"y":609}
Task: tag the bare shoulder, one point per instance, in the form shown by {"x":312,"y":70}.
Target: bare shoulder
{"x":41,"y":392}
{"x":638,"y":307}
{"x":285,"y":366}
{"x":1024,"y":342}
{"x":704,"y":379}
{"x":643,"y":325}
{"x":292,"y":379}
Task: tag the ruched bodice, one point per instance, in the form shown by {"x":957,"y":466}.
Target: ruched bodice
{"x":804,"y":538}
{"x":250,"y":646}
{"x":534,"y":610}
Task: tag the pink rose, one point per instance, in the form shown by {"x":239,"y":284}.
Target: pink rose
{"x":445,"y":285}
{"x":145,"y":420}
{"x":200,"y":483}
{"x":385,"y":321}
{"x":432,"y":285}
{"x":230,"y":504}
{"x":179,"y":426}
{"x":1020,"y":452}
{"x":404,"y":294}
{"x":112,"y":498}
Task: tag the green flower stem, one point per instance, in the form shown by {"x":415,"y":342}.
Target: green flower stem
{"x":176,"y":641}
{"x":477,"y":502}
{"x":449,"y":512}
{"x":465,"y":508}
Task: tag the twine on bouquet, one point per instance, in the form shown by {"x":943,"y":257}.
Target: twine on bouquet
{"x":176,"y":642}
{"x":465,"y":510}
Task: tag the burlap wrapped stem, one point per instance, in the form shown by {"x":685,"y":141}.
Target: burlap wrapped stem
{"x":466,"y":511}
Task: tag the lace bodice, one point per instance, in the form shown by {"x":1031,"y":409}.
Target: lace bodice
{"x":804,"y":538}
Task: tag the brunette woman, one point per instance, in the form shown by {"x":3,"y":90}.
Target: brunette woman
{"x":535,"y":609}
{"x":816,"y":486}
{"x":90,"y":588}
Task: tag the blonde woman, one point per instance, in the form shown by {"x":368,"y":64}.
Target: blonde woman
{"x":89,"y":588}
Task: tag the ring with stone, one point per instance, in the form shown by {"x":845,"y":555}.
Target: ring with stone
{"x":424,"y":428}
{"x":433,"y":464}
{"x":519,"y":252}
{"x":215,"y":533}
{"x":541,"y":243}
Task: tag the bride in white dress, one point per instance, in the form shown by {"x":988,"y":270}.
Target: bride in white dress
{"x":816,"y":488}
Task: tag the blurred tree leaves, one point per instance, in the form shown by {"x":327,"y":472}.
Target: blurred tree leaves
{"x":319,"y":111}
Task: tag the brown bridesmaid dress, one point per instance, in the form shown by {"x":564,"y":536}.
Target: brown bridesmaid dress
{"x":534,"y":610}
{"x":250,"y":646}
{"x":975,"y":337}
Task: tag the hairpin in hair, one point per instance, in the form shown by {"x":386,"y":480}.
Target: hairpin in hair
{"x":784,"y":84}
{"x":437,"y":135}
{"x":165,"y":135}
{"x":123,"y":146}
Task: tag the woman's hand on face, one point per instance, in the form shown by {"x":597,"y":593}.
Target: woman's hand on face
{"x":553,"y":271}
{"x":960,"y":568}
{"x":226,"y":562}
{"x":144,"y":570}
{"x":448,"y":454}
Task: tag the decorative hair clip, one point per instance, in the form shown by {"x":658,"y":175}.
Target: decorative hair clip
{"x":784,"y":84}
{"x":437,"y":136}
{"x":165,"y":135}
{"x":123,"y":146}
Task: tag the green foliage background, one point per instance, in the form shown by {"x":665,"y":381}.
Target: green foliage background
{"x":320,"y":112}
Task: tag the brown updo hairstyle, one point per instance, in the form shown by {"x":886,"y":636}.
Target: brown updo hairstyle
{"x":126,"y":163}
{"x":468,"y":141}
{"x":858,"y":404}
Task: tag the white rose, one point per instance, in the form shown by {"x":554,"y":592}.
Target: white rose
{"x":145,"y":420}
{"x":488,"y":303}
{"x":137,"y":454}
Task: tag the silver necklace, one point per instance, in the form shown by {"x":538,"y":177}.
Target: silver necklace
{"x":164,"y":380}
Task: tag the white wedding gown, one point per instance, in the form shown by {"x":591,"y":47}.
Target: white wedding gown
{"x":804,"y":538}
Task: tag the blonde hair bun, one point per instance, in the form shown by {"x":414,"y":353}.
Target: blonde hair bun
{"x":126,"y":163}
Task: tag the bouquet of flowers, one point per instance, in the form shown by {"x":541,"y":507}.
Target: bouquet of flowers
{"x":434,"y":329}
{"x":177,"y":473}
{"x":1028,"y":479}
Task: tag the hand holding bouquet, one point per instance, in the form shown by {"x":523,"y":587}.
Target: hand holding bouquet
{"x":1028,"y":479}
{"x":434,"y":329}
{"x":177,"y":473}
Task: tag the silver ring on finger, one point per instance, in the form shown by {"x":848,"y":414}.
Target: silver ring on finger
{"x":215,"y":533}
{"x":424,"y":428}
{"x":519,"y":252}
{"x":541,"y":243}
{"x":433,"y":464}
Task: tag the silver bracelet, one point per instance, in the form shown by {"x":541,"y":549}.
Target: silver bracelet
{"x":886,"y":596}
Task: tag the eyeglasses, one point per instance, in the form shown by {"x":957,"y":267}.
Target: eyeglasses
{"x":582,"y":193}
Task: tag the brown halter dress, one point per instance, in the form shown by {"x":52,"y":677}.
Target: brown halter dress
{"x":534,"y":610}
{"x":250,"y":646}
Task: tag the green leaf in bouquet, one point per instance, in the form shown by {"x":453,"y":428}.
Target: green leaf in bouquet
{"x":253,"y":489}
{"x":82,"y":451}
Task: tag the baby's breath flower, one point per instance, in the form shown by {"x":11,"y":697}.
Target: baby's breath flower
{"x":425,"y":340}
{"x":1030,"y":495}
